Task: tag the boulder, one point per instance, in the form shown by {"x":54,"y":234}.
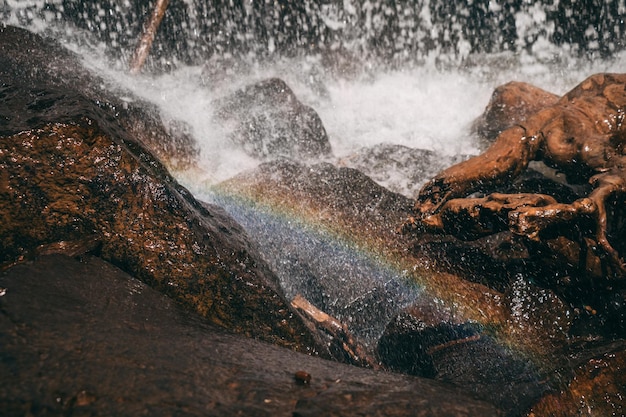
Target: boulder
{"x":331,"y":234}
{"x":49,"y":84}
{"x":595,"y":389}
{"x":81,"y":337}
{"x":268,"y":121}
{"x":315,"y":225}
{"x":70,"y":171}
{"x":464,"y":354}
{"x":398,"y":168}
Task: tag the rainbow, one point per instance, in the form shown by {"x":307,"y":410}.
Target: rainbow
{"x":368,"y":275}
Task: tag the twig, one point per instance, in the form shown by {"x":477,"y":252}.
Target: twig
{"x":149,"y":31}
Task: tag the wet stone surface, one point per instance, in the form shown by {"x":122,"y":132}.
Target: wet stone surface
{"x":268,"y":121}
{"x":70,"y":169}
{"x":67,"y":181}
{"x":81,"y":337}
{"x":41,"y":82}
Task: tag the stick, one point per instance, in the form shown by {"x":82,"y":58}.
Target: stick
{"x":149,"y":31}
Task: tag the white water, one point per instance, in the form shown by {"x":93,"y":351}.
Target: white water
{"x":428,"y":107}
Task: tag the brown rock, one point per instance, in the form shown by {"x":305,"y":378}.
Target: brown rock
{"x":463,"y":354}
{"x":65,"y":181}
{"x":511,"y":104}
{"x":596,"y":389}
{"x":581,"y":135}
{"x":84,"y":338}
{"x":41,"y":82}
{"x":70,"y":172}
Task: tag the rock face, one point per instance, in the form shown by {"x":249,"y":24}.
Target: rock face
{"x":596,"y":389}
{"x":313,"y":225}
{"x":268,"y":121}
{"x":85,"y":338}
{"x":550,"y":244}
{"x":55,"y":88}
{"x":70,"y":171}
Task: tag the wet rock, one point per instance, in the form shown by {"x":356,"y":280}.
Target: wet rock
{"x":65,"y":181}
{"x":580,"y":135}
{"x":538,"y":317}
{"x":495,"y":259}
{"x":85,"y":338}
{"x":408,"y":343}
{"x":510,"y":104}
{"x":491,"y":261}
{"x":463,"y":354}
{"x":70,"y":171}
{"x":314,"y":226}
{"x":596,"y":389}
{"x":268,"y":121}
{"x":331,"y":234}
{"x":41,"y":82}
{"x":399,"y":168}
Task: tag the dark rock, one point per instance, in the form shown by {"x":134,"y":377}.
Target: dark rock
{"x":85,"y":338}
{"x":408,"y":343}
{"x":66,"y":181}
{"x":596,"y":389}
{"x":41,"y":82}
{"x":538,"y":316}
{"x":465,"y":355}
{"x":314,"y":226}
{"x":268,"y":121}
{"x":399,"y":168}
{"x":72,"y":171}
{"x":495,"y":259}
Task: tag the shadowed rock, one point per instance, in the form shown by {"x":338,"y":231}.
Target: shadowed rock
{"x":398,"y":168}
{"x":596,"y":389}
{"x":85,"y":338}
{"x":268,"y":121}
{"x":314,"y":225}
{"x":465,"y":355}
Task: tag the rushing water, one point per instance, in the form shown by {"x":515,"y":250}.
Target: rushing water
{"x":414,"y":73}
{"x":408,"y":73}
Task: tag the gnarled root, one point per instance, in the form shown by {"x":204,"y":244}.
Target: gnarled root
{"x":530,"y":221}
{"x":470,"y":218}
{"x":525,"y":215}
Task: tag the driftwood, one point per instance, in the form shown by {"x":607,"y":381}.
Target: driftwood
{"x":582,"y":135}
{"x":149,"y":32}
{"x":342,"y":343}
